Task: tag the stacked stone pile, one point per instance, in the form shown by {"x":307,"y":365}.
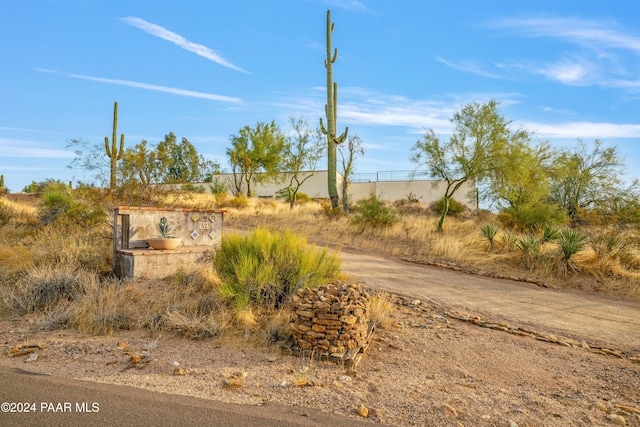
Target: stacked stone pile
{"x":331,"y":319}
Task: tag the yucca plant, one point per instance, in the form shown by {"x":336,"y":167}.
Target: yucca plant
{"x":530,"y":248}
{"x":489,"y":232}
{"x":509,"y":239}
{"x":549,"y":233}
{"x":570,"y":242}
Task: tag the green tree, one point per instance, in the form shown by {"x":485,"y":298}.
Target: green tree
{"x":590,"y":178}
{"x":301,"y":154}
{"x":256,"y":155}
{"x":90,"y":157}
{"x":180,"y":161}
{"x":480,"y":137}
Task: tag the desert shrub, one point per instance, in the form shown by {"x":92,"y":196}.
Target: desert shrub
{"x":380,"y":310}
{"x":239,"y":202}
{"x":5,"y":214}
{"x":192,"y":188}
{"x":529,"y":246}
{"x":265,"y":269}
{"x":570,"y":242}
{"x":195,"y":325}
{"x":218,"y":186}
{"x":532,"y":216}
{"x":455,"y":207}
{"x":330,"y":212}
{"x":109,"y":309}
{"x":410,"y":206}
{"x":489,"y":232}
{"x":373,"y":212}
{"x":59,"y":206}
{"x":44,"y":287}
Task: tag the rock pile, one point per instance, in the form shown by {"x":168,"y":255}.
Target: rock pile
{"x":332,"y":319}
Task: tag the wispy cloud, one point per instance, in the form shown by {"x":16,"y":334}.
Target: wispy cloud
{"x":139,"y":85}
{"x":579,"y":31}
{"x":468,"y":67}
{"x":347,"y":4}
{"x":180,"y":41}
{"x":583,"y":130}
{"x":602,"y":54}
{"x":10,"y":147}
{"x":566,"y":71}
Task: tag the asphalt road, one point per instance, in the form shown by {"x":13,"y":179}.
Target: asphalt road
{"x":54,"y":401}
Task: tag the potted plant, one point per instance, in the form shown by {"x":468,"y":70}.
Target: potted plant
{"x":165,"y":240}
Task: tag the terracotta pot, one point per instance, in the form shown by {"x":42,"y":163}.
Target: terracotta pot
{"x":165,"y":244}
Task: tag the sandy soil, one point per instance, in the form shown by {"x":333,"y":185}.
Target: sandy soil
{"x":462,"y":351}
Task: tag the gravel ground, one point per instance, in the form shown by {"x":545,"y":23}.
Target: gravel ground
{"x":425,"y":369}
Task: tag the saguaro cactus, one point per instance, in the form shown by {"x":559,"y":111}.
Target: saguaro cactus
{"x":1,"y":181}
{"x":331,"y":111}
{"x":113,"y":153}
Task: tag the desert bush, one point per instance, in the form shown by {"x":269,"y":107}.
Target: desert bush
{"x":373,"y":212}
{"x":529,"y":217}
{"x":489,"y":232}
{"x":330,"y":212}
{"x":529,"y":245}
{"x":509,"y":239}
{"x":60,"y":207}
{"x":455,"y":207}
{"x":570,"y":242}
{"x":264,"y":269}
{"x":239,"y":202}
{"x":195,"y":325}
{"x":44,"y":287}
{"x":410,"y":206}
{"x":380,"y":310}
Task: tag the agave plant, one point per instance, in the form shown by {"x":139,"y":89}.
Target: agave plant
{"x":165,"y":229}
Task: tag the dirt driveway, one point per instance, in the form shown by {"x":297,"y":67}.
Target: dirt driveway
{"x":607,"y":321}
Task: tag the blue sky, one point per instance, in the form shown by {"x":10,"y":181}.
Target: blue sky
{"x":566,"y":70}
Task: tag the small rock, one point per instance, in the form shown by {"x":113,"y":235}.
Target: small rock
{"x":135,"y":359}
{"x":618,"y":420}
{"x":32,"y":357}
{"x":272,"y":358}
{"x":512,"y":424}
{"x":345,"y":378}
{"x":178,"y":371}
{"x":363,"y":411}
{"x":600,"y":406}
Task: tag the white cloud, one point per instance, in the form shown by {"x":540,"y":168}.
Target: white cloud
{"x":10,"y":147}
{"x":180,"y":41}
{"x":566,"y":72}
{"x":468,"y":67}
{"x":347,"y":4}
{"x":584,"y":32}
{"x":175,"y":91}
{"x":583,"y":130}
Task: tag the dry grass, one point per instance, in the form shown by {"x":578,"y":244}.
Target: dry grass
{"x":57,"y":277}
{"x":381,"y":309}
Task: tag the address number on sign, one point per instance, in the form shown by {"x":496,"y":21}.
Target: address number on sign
{"x":204,"y":225}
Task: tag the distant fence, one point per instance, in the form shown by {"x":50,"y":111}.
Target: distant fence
{"x":387,"y":176}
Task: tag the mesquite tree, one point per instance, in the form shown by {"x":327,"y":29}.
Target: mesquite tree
{"x":113,"y":153}
{"x":331,"y":111}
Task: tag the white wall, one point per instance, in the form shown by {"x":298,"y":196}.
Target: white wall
{"x":426,"y":191}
